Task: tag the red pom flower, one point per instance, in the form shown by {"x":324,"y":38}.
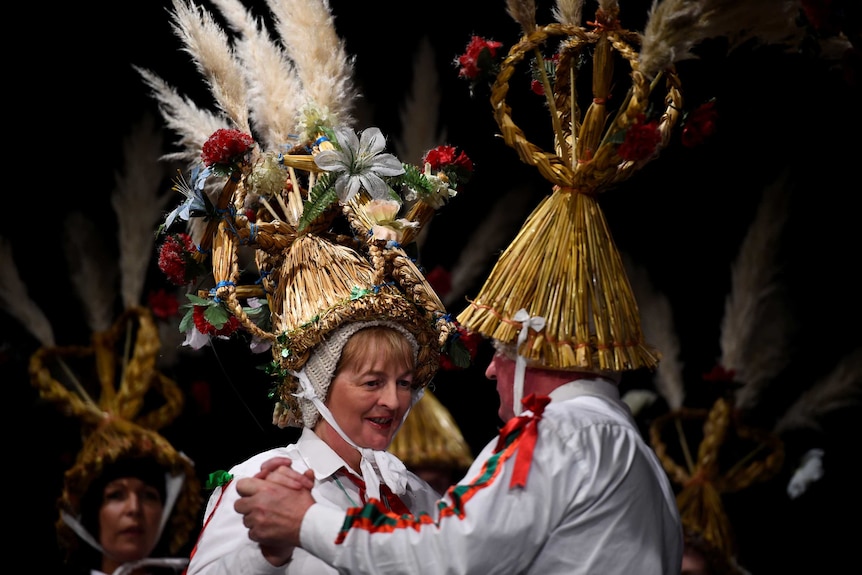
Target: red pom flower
{"x":163,"y":304}
{"x":457,"y":166}
{"x":699,"y":125}
{"x":478,"y":60}
{"x":176,"y":259}
{"x":203,"y":325}
{"x":640,"y":142}
{"x":226,"y":149}
{"x":440,"y":279}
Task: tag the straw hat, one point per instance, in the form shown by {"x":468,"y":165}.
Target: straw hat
{"x":563,"y":265}
{"x":117,"y":423}
{"x":304,"y":220}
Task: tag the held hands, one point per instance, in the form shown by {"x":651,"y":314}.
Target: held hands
{"x":272,"y":504}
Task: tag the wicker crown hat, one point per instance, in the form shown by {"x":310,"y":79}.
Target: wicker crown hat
{"x":302,"y":219}
{"x":115,"y":425}
{"x":563,"y":266}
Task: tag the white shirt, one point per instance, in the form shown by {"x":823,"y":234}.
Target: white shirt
{"x":596,"y":501}
{"x":223,"y":546}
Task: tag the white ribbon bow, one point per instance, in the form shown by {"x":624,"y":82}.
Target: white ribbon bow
{"x":527,"y":321}
{"x":390,"y":468}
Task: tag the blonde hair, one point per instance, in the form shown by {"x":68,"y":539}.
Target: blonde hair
{"x":378,"y":339}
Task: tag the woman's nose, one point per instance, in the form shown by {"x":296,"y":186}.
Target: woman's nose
{"x":133,"y":503}
{"x":389,"y":395}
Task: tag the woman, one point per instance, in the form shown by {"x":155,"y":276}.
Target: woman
{"x":358,"y":386}
{"x":123,"y":513}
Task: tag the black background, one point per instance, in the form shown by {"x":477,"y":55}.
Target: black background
{"x":682,"y":218}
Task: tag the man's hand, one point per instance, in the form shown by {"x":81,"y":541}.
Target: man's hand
{"x":272,"y":504}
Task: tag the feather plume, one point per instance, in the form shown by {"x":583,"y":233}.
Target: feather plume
{"x":659,"y":331}
{"x":523,"y":12}
{"x":569,"y":12}
{"x":210,"y":50}
{"x":485,"y":243}
{"x":138,"y":206}
{"x":16,"y":300}
{"x":91,"y":271}
{"x":193,"y":124}
{"x":274,"y":90}
{"x":756,"y":329}
{"x":841,"y":388}
{"x":419,"y":119}
{"x":307,"y":29}
{"x":675,"y":27}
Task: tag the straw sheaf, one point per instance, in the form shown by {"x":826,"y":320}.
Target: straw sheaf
{"x":430,"y":437}
{"x":564,"y":267}
{"x":756,"y":456}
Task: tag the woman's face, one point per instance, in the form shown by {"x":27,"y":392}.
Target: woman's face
{"x":129,"y":520}
{"x":371,"y":392}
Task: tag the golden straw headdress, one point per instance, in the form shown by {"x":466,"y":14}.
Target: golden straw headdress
{"x":304,"y":221}
{"x":112,"y":384}
{"x":613,"y":98}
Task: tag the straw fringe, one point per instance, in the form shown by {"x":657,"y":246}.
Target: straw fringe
{"x":564,"y":248}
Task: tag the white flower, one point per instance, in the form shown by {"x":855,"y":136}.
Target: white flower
{"x":385,"y":226}
{"x":442,"y":192}
{"x":360,"y":163}
{"x":810,"y":470}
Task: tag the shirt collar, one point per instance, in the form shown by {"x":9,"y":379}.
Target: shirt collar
{"x":592,"y":386}
{"x":318,"y":455}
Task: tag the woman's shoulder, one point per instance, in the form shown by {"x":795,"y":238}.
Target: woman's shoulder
{"x":252,"y":465}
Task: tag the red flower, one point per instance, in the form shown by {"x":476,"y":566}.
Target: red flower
{"x":478,"y":60}
{"x":822,"y":16}
{"x":457,"y":166}
{"x":640,"y":142}
{"x":202,"y":395}
{"x":163,"y":304}
{"x":719,"y":374}
{"x":440,"y":279}
{"x":205,"y":327}
{"x":462,"y":350}
{"x":176,"y":260}
{"x":537,"y":88}
{"x":226,"y":147}
{"x":699,"y":125}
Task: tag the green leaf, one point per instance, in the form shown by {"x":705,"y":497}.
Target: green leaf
{"x":217,"y":316}
{"x":321,"y":197}
{"x":459,"y":354}
{"x":188,"y":321}
{"x":196,"y":300}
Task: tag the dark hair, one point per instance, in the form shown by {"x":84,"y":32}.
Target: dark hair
{"x":144,"y":468}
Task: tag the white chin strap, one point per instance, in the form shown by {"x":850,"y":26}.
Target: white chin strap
{"x":390,"y":468}
{"x":538,"y":324}
{"x":173,"y":486}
